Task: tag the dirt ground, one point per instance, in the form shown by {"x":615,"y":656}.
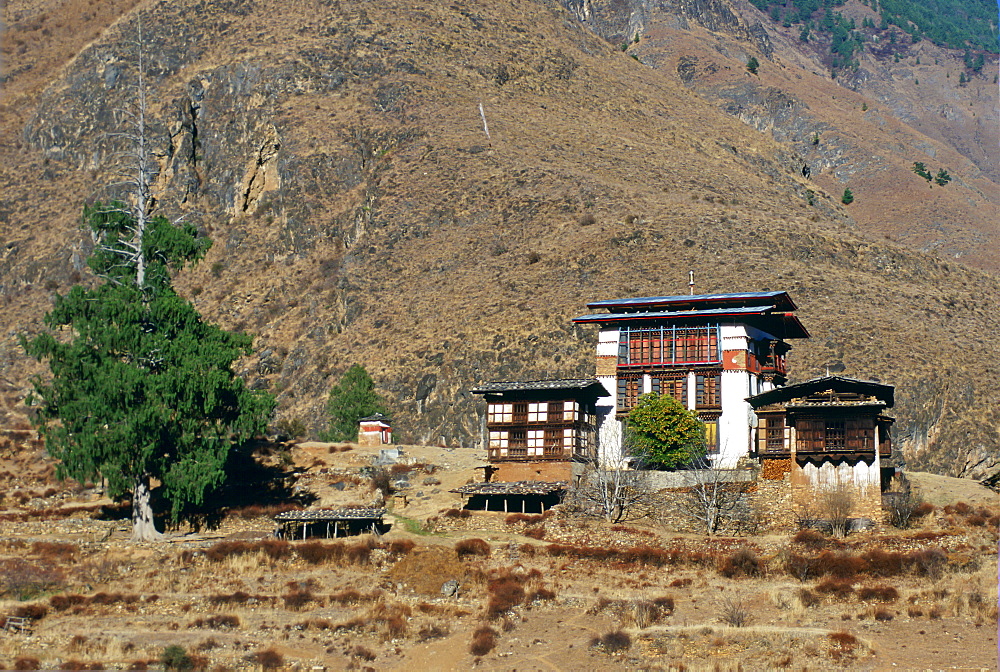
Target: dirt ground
{"x":536,"y":593}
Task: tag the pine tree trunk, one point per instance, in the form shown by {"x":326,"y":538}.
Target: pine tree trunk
{"x":143,"y":528}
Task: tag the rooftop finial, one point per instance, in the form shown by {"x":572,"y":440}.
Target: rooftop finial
{"x":691,"y":281}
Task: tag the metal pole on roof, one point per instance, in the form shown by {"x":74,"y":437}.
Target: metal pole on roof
{"x":691,"y":281}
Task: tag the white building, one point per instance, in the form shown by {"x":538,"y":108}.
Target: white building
{"x":711,"y":352}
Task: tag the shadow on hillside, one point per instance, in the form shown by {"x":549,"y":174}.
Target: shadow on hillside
{"x":253,"y":487}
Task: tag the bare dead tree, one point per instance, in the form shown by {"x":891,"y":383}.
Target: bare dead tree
{"x":902,"y":502}
{"x":836,"y":505}
{"x":615,"y":489}
{"x":714,"y":496}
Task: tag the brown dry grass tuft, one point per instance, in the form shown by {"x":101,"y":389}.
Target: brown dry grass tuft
{"x":472,"y":547}
{"x":484,"y":639}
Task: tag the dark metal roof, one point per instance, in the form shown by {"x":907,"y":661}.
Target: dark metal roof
{"x":516,"y":488}
{"x":377,"y":417}
{"x":884,"y":393}
{"x":495,"y":387}
{"x":354,"y":513}
{"x":778,"y":324}
{"x":697,"y":301}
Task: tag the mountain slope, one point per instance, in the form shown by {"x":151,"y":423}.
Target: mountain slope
{"x":336,"y":156}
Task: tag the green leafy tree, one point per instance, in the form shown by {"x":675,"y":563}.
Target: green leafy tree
{"x":664,"y":432}
{"x":141,"y":386}
{"x":942,"y":178}
{"x":353,"y":398}
{"x":753,"y":64}
{"x":848,"y":197}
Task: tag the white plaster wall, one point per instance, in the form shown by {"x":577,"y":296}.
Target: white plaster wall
{"x":828,"y":476}
{"x":736,"y":420}
{"x":607,"y":343}
{"x":609,"y":430}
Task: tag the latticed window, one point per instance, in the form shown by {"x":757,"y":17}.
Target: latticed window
{"x":500,"y":413}
{"x":669,"y":345}
{"x":707,"y":391}
{"x":674,"y":386}
{"x":774,"y":433}
{"x":538,"y":412}
{"x":836,"y":434}
{"x":629,"y":389}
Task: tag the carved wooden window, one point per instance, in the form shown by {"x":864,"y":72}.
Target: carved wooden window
{"x":774,"y":433}
{"x":629,"y":389}
{"x":707,"y":391}
{"x":520,"y":412}
{"x":671,"y":385}
{"x":669,"y":345}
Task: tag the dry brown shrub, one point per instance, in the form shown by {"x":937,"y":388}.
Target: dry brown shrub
{"x":297,"y":599}
{"x":269,"y":659}
{"x":392,"y":618}
{"x":809,"y":598}
{"x":838,"y":588}
{"x":23,"y":580}
{"x":922,"y":509}
{"x":64,"y":602}
{"x":34,"y":611}
{"x":26,"y":663}
{"x":883,"y":615}
{"x":317,"y":553}
{"x":880,"y":593}
{"x":612,"y":642}
{"x":744,"y":562}
{"x":484,"y":639}
{"x":217,"y":622}
{"x":505,"y":593}
{"x":433,"y":631}
{"x":349,"y":596}
{"x":935,"y":612}
{"x":470,"y":547}
{"x":680,"y":583}
{"x":401,"y":546}
{"x":842,"y":644}
{"x":914,"y":612}
{"x":540,"y":594}
{"x":362,"y":653}
{"x":58,"y":552}
{"x":535,"y":532}
{"x":883,"y":563}
{"x":810,"y":538}
{"x":457,"y":513}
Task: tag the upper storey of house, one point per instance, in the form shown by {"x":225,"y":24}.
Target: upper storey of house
{"x":746,"y":331}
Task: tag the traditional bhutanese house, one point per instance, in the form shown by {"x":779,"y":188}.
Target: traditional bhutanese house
{"x":709,"y":351}
{"x":374,"y":430}
{"x":826,"y":432}
{"x":535,"y":430}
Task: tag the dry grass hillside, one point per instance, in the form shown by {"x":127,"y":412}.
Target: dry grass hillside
{"x":556,"y":591}
{"x":335,"y":155}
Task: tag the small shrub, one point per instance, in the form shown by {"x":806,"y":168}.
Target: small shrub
{"x":587,"y":219}
{"x":839,"y":588}
{"x":883,"y":615}
{"x":484,"y":639}
{"x":33,"y":611}
{"x":535,"y":532}
{"x":457,"y":513}
{"x":612,"y":642}
{"x":922,"y":509}
{"x":743,"y":562}
{"x":505,"y":593}
{"x":349,"y":596}
{"x":809,"y":598}
{"x":64,"y":602}
{"x":811,"y":538}
{"x":26,"y":663}
{"x":269,"y":659}
{"x":540,"y":594}
{"x":401,"y":546}
{"x":935,"y":613}
{"x":930,"y":562}
{"x":217,"y":622}
{"x":296,"y":600}
{"x":435,"y":631}
{"x":468,"y":547}
{"x":174,"y":657}
{"x":55,"y":551}
{"x":914,"y":612}
{"x":363,"y":653}
{"x":735,"y":612}
{"x":878,"y":594}
{"x":317,"y":553}
{"x":844,"y":643}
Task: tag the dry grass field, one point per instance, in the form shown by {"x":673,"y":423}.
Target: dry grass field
{"x":534,"y":591}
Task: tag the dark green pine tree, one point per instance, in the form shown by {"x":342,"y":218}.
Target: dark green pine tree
{"x":848,"y":197}
{"x":141,"y":386}
{"x":353,"y":398}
